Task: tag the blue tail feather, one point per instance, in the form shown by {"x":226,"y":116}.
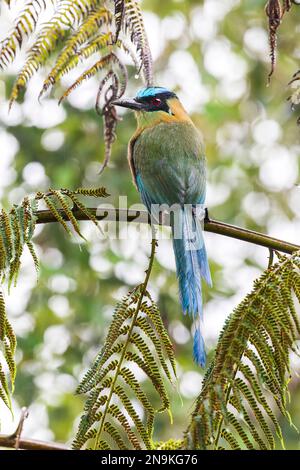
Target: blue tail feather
{"x":191,"y":266}
{"x":199,"y":348}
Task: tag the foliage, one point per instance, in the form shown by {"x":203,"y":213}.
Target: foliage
{"x":7,"y":347}
{"x":136,"y":337}
{"x":236,"y":162}
{"x":251,"y":369}
{"x":81,"y":29}
{"x":16,"y":231}
{"x":275,"y":11}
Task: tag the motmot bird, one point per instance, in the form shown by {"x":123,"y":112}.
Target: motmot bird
{"x":167,"y":160}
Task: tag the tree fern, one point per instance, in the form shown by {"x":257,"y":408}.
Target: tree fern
{"x":247,"y":383}
{"x":78,"y":30}
{"x":16,"y":231}
{"x":136,"y":339}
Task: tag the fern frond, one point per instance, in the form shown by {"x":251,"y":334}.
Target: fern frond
{"x":134,"y":24}
{"x":68,"y":15}
{"x":101,"y":45}
{"x":92,"y":192}
{"x":25,"y":26}
{"x":101,"y":64}
{"x":2,"y":318}
{"x":119,"y":17}
{"x":67,"y":209}
{"x":61,"y":203}
{"x":16,"y":231}
{"x":55,"y":212}
{"x":114,"y":435}
{"x":111,"y":383}
{"x":246,"y":385}
{"x":81,"y":28}
{"x":8,"y":348}
{"x":71,"y":53}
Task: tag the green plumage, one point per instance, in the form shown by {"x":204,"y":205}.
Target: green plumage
{"x":168,"y":162}
{"x":169,"y":158}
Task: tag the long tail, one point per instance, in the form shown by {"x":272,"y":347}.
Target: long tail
{"x":191,"y":266}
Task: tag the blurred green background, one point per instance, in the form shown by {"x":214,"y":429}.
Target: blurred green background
{"x":215,"y":55}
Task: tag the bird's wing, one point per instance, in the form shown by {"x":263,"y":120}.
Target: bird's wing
{"x":145,"y":195}
{"x":181,"y":180}
{"x":137,"y":179}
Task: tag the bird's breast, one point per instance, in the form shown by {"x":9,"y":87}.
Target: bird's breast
{"x":170,"y":160}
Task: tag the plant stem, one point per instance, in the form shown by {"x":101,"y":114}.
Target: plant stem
{"x":213,"y":226}
{"x":143,"y":289}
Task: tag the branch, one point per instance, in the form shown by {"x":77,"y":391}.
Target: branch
{"x":15,"y":441}
{"x":220,"y":228}
{"x":9,"y":442}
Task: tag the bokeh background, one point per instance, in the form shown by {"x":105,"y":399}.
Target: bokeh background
{"x":214,"y":53}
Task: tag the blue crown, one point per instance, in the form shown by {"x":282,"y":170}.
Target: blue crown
{"x":153,"y":91}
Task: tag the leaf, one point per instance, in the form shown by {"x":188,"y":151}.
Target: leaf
{"x":16,"y":232}
{"x":77,"y":30}
{"x":119,"y":17}
{"x":8,"y":346}
{"x":249,"y":375}
{"x":134,"y":24}
{"x":111,"y":383}
{"x":99,"y":65}
{"x":25,"y":26}
{"x":68,"y":15}
{"x":70,"y":55}
{"x":275,"y":10}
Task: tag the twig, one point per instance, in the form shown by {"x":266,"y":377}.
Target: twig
{"x":214,"y":226}
{"x":271,"y":258}
{"x":17,"y":434}
{"x":15,"y":441}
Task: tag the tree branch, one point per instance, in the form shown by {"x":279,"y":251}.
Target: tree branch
{"x":15,"y":441}
{"x":9,"y":442}
{"x":214,"y":226}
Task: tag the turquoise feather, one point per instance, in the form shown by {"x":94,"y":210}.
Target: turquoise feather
{"x":151,"y":91}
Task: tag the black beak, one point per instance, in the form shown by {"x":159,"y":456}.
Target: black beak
{"x":130,"y":104}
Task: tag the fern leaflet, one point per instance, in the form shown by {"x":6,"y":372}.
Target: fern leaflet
{"x":136,"y":339}
{"x":249,"y":376}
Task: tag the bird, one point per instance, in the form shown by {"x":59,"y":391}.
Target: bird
{"x":167,"y":159}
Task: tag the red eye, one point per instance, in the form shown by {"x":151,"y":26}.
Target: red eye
{"x":156,"y":102}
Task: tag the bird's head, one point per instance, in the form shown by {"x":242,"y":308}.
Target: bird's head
{"x":155,"y":104}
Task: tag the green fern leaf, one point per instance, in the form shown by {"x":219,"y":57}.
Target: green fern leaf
{"x":85,"y":32}
{"x":131,"y":340}
{"x":119,"y":17}
{"x":251,"y":369}
{"x":25,"y":25}
{"x":134,"y":24}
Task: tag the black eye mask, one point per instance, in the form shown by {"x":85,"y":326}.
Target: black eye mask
{"x":157,"y":102}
